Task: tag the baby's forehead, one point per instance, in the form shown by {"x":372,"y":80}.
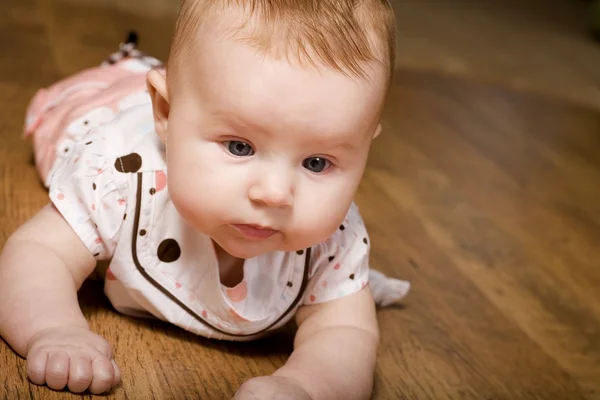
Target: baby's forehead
{"x":329,"y":35}
{"x":234,"y":83}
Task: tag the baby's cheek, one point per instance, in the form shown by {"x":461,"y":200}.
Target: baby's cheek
{"x":186,"y":198}
{"x":317,"y":224}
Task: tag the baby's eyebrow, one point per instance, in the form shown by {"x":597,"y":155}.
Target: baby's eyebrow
{"x":239,"y":123}
{"x":329,"y":140}
{"x":343,"y":145}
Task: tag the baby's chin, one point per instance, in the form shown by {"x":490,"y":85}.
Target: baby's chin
{"x":249,"y":249}
{"x":244,"y":250}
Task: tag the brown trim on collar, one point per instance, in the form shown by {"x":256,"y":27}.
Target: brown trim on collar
{"x":136,"y":221}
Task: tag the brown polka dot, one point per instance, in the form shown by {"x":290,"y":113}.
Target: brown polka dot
{"x":96,"y":255}
{"x":290,"y":284}
{"x":124,"y":216}
{"x":169,"y":250}
{"x":352,"y":276}
{"x":143,"y":232}
{"x":86,"y":122}
{"x":88,"y":143}
{"x":365,"y":241}
{"x":94,"y":186}
{"x":152,"y":191}
{"x":66,"y":150}
{"x":300,"y":252}
{"x":331,"y":258}
{"x":129,"y":163}
{"x":342,"y":227}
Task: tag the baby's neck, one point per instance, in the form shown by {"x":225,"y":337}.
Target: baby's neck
{"x":231,"y":269}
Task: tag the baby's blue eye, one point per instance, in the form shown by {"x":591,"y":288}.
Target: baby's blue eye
{"x":238,"y":148}
{"x":316,"y":164}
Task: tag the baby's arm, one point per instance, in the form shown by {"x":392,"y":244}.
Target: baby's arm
{"x":42,"y":266}
{"x":334,"y":354}
{"x":335,"y":348}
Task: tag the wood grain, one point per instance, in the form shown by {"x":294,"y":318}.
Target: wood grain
{"x":486,"y":199}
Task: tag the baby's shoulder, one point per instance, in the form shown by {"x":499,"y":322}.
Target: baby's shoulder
{"x":126,"y":144}
{"x":339,"y":266}
{"x":351,"y":239}
{"x":94,"y":187}
{"x":351,"y":230}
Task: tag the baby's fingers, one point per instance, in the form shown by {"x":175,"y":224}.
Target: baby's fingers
{"x":57,"y":370}
{"x":80,"y":374}
{"x":36,"y":367}
{"x":104,"y":375}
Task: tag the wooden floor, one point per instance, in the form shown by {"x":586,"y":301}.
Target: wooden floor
{"x":531,"y":45}
{"x":487,"y":200}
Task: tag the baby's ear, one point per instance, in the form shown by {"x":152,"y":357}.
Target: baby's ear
{"x":377,"y":131}
{"x":157,"y":87}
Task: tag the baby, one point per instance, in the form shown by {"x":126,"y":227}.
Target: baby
{"x":220,"y":188}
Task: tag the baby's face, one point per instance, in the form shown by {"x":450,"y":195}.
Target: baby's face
{"x":263,"y":155}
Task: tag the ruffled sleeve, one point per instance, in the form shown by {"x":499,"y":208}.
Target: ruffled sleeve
{"x":92,"y":195}
{"x":340,"y":265}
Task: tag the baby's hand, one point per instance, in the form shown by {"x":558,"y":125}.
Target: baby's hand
{"x":72,"y":357}
{"x":271,"y":387}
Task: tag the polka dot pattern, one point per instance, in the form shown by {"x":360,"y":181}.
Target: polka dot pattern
{"x":169,"y":251}
{"x":238,"y":293}
{"x":129,"y":163}
{"x":160,"y":181}
{"x":342,"y":265}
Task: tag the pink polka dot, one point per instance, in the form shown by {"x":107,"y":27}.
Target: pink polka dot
{"x":312,"y":297}
{"x":337,"y":266}
{"x":238,"y":293}
{"x":121,"y":202}
{"x":98,"y":241}
{"x":60,"y":196}
{"x":105,"y":206}
{"x":100,"y":170}
{"x":324,"y":283}
{"x":160,"y":181}
{"x":177,"y":285}
{"x":204,"y":314}
{"x":93,"y":207}
{"x":75,"y":160}
{"x":110,"y":276}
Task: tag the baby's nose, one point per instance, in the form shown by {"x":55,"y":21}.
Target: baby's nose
{"x":273,"y":190}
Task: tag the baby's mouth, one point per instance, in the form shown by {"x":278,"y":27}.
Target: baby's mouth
{"x":254,"y":232}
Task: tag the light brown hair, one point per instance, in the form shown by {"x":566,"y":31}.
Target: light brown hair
{"x":341,"y":34}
